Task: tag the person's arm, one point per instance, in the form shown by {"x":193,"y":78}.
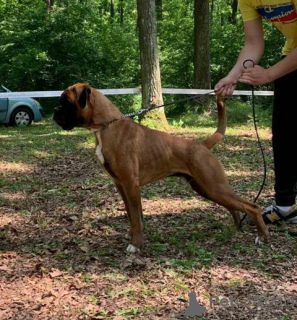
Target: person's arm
{"x":258,"y":76}
{"x":253,"y":49}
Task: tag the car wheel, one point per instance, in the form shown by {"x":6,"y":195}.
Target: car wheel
{"x":21,"y":117}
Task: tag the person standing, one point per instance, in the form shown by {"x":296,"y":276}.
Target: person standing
{"x":283,"y":15}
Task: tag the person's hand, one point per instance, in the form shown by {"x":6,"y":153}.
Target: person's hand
{"x":225,"y":87}
{"x":255,"y":76}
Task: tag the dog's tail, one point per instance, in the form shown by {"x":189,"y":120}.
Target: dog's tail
{"x":222,"y":122}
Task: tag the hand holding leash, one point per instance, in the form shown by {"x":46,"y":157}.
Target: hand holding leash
{"x":254,"y":74}
{"x":247,"y":61}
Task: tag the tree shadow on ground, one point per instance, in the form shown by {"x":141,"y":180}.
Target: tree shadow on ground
{"x":63,"y":225}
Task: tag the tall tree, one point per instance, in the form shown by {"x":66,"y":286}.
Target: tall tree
{"x":234,"y":7}
{"x":159,"y":5}
{"x":149,"y":60}
{"x":201,"y":45}
{"x":112,"y":13}
{"x":49,"y":4}
{"x":121,"y":11}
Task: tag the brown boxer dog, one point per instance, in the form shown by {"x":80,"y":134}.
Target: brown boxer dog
{"x":135,"y":155}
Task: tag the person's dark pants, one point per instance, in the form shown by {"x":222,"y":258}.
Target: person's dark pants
{"x":284,"y":139}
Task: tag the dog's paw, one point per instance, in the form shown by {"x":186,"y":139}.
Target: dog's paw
{"x":132,"y":249}
{"x":259,"y":241}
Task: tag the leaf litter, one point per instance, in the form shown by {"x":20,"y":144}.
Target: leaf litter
{"x":62,"y":243}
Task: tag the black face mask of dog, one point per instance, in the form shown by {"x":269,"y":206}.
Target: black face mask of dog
{"x":66,"y":114}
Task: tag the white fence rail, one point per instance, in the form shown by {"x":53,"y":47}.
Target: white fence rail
{"x":53,"y":94}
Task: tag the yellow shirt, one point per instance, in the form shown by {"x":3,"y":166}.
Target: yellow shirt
{"x":282,"y":14}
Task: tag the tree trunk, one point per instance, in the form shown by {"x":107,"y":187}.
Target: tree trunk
{"x":159,"y":5}
{"x":234,"y":6}
{"x":50,"y":4}
{"x":121,"y":11}
{"x":201,"y":45}
{"x":149,"y":60}
{"x":212,"y":8}
{"x":112,"y":8}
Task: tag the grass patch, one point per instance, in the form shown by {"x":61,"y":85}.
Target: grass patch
{"x":63,"y":221}
{"x":238,"y":112}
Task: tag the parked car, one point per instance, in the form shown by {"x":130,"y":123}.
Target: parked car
{"x":19,"y":111}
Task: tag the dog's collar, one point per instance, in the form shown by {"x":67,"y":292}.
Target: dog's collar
{"x":124,"y":116}
{"x":99,"y":127}
{"x":103,"y":126}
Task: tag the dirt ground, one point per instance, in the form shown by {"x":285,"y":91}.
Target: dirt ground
{"x":63,"y":227}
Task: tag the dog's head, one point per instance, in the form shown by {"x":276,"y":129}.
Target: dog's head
{"x":73,"y":110}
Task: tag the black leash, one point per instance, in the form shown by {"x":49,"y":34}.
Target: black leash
{"x":259,"y":143}
{"x":143,"y":111}
{"x":291,"y":233}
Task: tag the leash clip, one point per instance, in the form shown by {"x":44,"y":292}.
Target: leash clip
{"x":246,"y":61}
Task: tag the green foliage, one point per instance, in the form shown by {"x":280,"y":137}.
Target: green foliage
{"x":176,"y":44}
{"x":77,"y":42}
{"x":81,"y":41}
{"x":239,"y":112}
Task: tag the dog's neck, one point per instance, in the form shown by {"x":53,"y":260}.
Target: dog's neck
{"x":104,"y":111}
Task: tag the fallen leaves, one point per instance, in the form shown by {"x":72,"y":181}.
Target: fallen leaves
{"x":62,"y":243}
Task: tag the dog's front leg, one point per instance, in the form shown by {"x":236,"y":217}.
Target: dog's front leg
{"x":132,"y":200}
{"x":236,"y":218}
{"x":123,"y":195}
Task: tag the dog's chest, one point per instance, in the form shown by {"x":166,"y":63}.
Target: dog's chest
{"x":98,"y":152}
{"x":100,"y":156}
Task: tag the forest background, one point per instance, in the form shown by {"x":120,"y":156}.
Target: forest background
{"x":49,"y":45}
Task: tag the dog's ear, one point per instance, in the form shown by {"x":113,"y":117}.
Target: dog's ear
{"x":83,"y":96}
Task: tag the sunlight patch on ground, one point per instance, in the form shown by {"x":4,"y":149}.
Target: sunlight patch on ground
{"x":249,"y":134}
{"x":239,"y":173}
{"x":240,"y":277}
{"x":159,"y":206}
{"x":87,"y":145}
{"x":5,"y":220}
{"x":41,"y":154}
{"x":16,"y":196}
{"x":12,"y":137}
{"x":237,"y":148}
{"x":11,"y":218}
{"x":4,"y":136}
{"x":15,"y":167}
{"x":41,"y":135}
{"x":44,"y":293}
{"x":72,"y":132}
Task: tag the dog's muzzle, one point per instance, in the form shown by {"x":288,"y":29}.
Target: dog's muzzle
{"x":64,"y":119}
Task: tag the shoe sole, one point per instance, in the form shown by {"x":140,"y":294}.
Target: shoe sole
{"x":289,"y":221}
{"x":292,"y":221}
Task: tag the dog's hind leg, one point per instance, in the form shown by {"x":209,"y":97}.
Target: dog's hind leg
{"x":222,"y":193}
{"x":226,"y":197}
{"x":199,"y":190}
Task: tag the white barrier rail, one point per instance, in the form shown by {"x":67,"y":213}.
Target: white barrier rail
{"x":53,"y":94}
